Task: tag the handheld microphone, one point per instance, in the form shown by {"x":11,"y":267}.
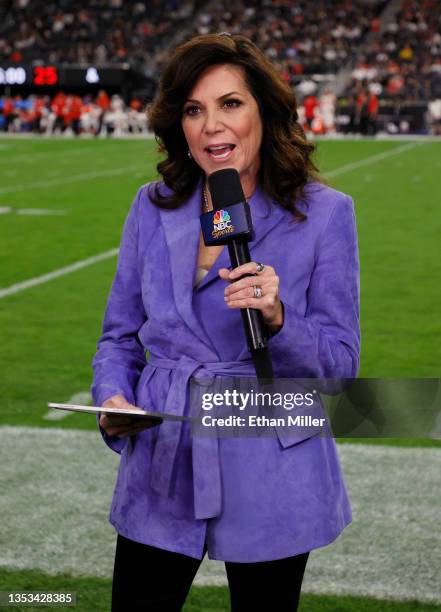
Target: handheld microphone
{"x":230,"y":223}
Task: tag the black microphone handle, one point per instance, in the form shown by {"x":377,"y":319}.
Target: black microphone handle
{"x":252,"y":318}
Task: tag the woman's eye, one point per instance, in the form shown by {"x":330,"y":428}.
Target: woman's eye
{"x":191,"y":110}
{"x":232,"y":103}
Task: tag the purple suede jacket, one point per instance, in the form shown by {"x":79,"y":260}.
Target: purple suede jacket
{"x":249,"y":499}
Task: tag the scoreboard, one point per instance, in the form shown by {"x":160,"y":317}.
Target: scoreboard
{"x":60,"y":76}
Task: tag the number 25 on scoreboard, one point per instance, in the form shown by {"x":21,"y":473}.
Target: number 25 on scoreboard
{"x":45,"y":75}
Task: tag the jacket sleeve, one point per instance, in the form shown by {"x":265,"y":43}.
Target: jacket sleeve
{"x":325,"y":342}
{"x":120,"y":356}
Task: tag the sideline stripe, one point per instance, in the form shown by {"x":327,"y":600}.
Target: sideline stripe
{"x":70,"y":179}
{"x":91,"y":260}
{"x":39,"y":280}
{"x":373,"y":159}
{"x":57,"y":489}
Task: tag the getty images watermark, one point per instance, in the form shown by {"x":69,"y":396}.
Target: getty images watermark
{"x":252,"y":400}
{"x":243,"y":407}
{"x":369,"y":408}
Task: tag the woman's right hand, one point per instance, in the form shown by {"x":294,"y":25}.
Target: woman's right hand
{"x":123,"y":426}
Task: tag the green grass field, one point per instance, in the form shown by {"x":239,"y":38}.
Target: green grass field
{"x":94,"y":594}
{"x":56,"y":324}
{"x":49,"y":331}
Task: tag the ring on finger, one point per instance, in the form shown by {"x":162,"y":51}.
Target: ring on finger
{"x":257,"y":291}
{"x":260,"y":267}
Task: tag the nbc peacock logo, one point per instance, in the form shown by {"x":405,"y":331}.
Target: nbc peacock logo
{"x":221,"y":216}
{"x":222,"y":223}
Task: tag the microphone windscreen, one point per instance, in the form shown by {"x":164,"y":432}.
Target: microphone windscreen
{"x":225,"y":188}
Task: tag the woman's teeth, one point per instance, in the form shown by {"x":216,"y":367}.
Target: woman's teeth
{"x":221,"y":151}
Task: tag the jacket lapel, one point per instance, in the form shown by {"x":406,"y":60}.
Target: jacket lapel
{"x":182,"y":229}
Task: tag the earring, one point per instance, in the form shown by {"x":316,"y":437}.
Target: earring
{"x":189,"y":155}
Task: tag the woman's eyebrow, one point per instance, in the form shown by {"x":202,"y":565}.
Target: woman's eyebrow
{"x":230,"y":93}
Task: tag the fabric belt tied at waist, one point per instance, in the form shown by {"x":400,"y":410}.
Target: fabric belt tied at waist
{"x":205,"y":450}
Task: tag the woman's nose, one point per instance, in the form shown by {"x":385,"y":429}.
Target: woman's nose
{"x":212,"y":121}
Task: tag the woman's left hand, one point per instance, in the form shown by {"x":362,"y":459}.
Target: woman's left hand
{"x":241,"y":294}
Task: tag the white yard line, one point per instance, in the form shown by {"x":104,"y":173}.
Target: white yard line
{"x":83,"y":398}
{"x":12,"y":158}
{"x":35,"y":212}
{"x":65,"y":180}
{"x":57,"y":486}
{"x":39,"y":212}
{"x":39,"y":280}
{"x":367,"y":161}
{"x":86,"y":262}
{"x":117,"y":171}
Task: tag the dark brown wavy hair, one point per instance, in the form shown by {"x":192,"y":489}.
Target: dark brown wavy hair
{"x":286,"y":165}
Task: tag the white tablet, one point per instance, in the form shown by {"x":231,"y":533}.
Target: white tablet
{"x":134,"y":412}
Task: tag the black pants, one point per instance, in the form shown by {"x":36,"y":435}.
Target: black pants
{"x":148,"y":579}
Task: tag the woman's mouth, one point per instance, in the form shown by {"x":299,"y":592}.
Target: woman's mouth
{"x":220,"y":152}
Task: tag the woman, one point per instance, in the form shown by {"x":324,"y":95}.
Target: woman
{"x":262,"y":504}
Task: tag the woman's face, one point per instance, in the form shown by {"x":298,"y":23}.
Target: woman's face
{"x":222,"y":124}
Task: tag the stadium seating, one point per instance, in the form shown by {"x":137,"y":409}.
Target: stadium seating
{"x":96,"y":32}
{"x":385,"y":54}
{"x":403,"y":60}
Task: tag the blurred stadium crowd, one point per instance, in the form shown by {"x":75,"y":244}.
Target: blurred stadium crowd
{"x":402,"y":60}
{"x":300,"y":37}
{"x":72,"y":114}
{"x":94,"y":31}
{"x":104,"y":116}
{"x":348,"y":60}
